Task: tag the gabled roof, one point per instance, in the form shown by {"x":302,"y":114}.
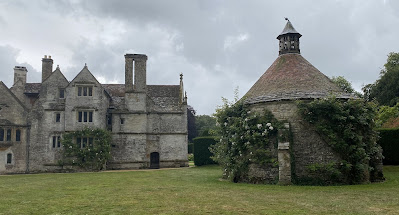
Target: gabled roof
{"x":12,"y":94}
{"x":85,"y":70}
{"x":288,"y":29}
{"x":57,"y":71}
{"x":292,"y":77}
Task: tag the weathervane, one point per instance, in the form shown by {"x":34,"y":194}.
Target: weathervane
{"x":286,"y":19}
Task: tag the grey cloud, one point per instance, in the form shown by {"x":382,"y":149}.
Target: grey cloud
{"x":8,"y":61}
{"x":349,"y":38}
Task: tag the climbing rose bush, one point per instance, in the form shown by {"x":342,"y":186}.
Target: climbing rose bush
{"x":244,"y":138}
{"x":91,"y":157}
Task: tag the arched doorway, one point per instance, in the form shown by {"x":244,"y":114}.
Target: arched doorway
{"x":154,"y":160}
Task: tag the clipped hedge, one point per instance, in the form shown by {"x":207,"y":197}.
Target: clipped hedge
{"x":202,"y":155}
{"x":389,"y":141}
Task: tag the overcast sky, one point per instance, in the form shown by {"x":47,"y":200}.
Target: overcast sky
{"x":218,"y":45}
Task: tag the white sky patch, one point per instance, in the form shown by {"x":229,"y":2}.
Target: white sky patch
{"x":180,"y":47}
{"x":104,"y":80}
{"x":111,"y":31}
{"x":231,"y":42}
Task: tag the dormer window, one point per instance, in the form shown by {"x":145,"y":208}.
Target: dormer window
{"x":85,"y":91}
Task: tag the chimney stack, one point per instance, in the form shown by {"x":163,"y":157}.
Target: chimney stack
{"x":47,"y":67}
{"x":20,"y":74}
{"x":135,"y":66}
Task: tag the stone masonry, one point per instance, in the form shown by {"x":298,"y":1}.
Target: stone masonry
{"x":290,"y":78}
{"x":148,"y":122}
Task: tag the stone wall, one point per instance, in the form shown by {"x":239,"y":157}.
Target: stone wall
{"x":42,"y":155}
{"x":141,"y":134}
{"x":139,"y":125}
{"x":12,"y":116}
{"x":307,"y":147}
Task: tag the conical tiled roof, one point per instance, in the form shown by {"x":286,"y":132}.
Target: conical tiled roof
{"x":288,"y":29}
{"x":292,"y":77}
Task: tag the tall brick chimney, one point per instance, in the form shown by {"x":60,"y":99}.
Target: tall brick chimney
{"x":47,"y":67}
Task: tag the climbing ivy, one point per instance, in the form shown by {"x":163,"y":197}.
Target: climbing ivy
{"x":348,"y":127}
{"x":245,"y":139}
{"x":91,"y":154}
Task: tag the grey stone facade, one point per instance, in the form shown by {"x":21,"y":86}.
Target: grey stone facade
{"x":148,"y":122}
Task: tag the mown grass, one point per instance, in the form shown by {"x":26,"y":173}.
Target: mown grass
{"x":196,"y":190}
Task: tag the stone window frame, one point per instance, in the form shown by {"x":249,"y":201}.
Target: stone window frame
{"x":9,"y":159}
{"x":57,"y":117}
{"x":61,"y":93}
{"x":83,"y":142}
{"x":18,"y":134}
{"x":109,"y":119}
{"x":85,"y":90}
{"x":55,"y":141}
{"x":9,"y":134}
{"x":85,"y":114}
{"x":2,"y":130}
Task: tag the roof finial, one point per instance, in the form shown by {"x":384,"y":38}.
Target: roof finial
{"x":286,"y":19}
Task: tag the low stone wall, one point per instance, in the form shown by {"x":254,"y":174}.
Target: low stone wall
{"x":258,"y":174}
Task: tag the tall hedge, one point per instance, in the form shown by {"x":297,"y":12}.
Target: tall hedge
{"x":202,"y":155}
{"x":389,"y":141}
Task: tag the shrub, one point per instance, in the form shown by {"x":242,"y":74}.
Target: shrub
{"x":244,"y":139}
{"x":202,"y":155}
{"x":348,"y":127}
{"x":92,"y":154}
{"x":190,"y":157}
{"x":389,"y":141}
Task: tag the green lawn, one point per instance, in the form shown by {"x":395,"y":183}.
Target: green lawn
{"x":195,"y":190}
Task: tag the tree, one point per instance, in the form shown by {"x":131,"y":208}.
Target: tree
{"x":204,"y":123}
{"x":386,"y":89}
{"x":387,"y":116}
{"x":345,"y":85}
{"x":191,"y":129}
{"x":342,"y":83}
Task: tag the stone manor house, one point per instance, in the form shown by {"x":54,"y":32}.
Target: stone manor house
{"x":148,"y":122}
